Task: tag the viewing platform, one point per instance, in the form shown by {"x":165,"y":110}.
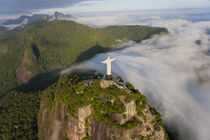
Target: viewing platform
{"x":115,"y":80}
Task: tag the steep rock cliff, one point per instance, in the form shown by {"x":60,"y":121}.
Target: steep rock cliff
{"x":71,"y":109}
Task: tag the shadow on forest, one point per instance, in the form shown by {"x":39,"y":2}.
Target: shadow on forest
{"x":39,"y":82}
{"x":43,"y":80}
{"x":35,"y":51}
{"x":92,"y":52}
{"x":97,"y":49}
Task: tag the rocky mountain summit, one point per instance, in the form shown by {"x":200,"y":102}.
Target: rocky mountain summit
{"x":61,"y":16}
{"x":29,"y":19}
{"x":77,"y":107}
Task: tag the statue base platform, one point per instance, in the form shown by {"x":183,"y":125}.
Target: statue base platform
{"x":109,"y":77}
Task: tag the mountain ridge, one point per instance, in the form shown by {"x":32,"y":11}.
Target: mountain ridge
{"x":59,"y":43}
{"x":24,"y":19}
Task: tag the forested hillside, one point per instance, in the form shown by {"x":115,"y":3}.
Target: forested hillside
{"x":48,"y":45}
{"x":23,"y":114}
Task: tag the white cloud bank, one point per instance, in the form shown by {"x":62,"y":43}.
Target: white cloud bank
{"x":173,"y":71}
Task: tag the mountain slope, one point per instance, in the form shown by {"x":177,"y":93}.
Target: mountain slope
{"x":2,"y":31}
{"x":27,"y":19}
{"x":48,"y":45}
{"x":72,"y":109}
{"x":80,"y":106}
{"x":76,"y":110}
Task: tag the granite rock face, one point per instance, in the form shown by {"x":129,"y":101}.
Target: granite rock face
{"x":101,"y":111}
{"x":59,"y":125}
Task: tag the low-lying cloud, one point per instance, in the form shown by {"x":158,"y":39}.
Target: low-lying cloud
{"x":173,"y":71}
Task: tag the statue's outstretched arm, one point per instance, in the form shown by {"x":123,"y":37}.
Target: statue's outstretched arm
{"x":104,"y":62}
{"x":113,"y":59}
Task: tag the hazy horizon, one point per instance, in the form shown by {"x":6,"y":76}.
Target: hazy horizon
{"x":175,"y":13}
{"x":13,"y":9}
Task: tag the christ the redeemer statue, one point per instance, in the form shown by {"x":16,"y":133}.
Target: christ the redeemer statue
{"x":108,"y":67}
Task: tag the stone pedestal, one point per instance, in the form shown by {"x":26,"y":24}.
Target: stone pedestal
{"x":109,"y":77}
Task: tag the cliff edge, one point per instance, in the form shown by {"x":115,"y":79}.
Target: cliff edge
{"x":78,"y":107}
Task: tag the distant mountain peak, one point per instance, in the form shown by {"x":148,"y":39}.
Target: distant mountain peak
{"x":57,"y":15}
{"x":61,"y":16}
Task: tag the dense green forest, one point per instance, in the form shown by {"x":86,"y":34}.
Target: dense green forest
{"x":48,"y":45}
{"x":18,"y":114}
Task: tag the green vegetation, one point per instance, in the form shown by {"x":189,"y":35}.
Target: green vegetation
{"x":44,"y":46}
{"x":129,"y":86}
{"x":86,"y":137}
{"x":18,"y":113}
{"x":158,"y":123}
{"x":2,"y":30}
{"x":72,"y":91}
{"x":128,"y":125}
{"x":124,"y":116}
{"x":6,"y":34}
{"x":18,"y":119}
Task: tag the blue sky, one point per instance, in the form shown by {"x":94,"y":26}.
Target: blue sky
{"x":17,"y":7}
